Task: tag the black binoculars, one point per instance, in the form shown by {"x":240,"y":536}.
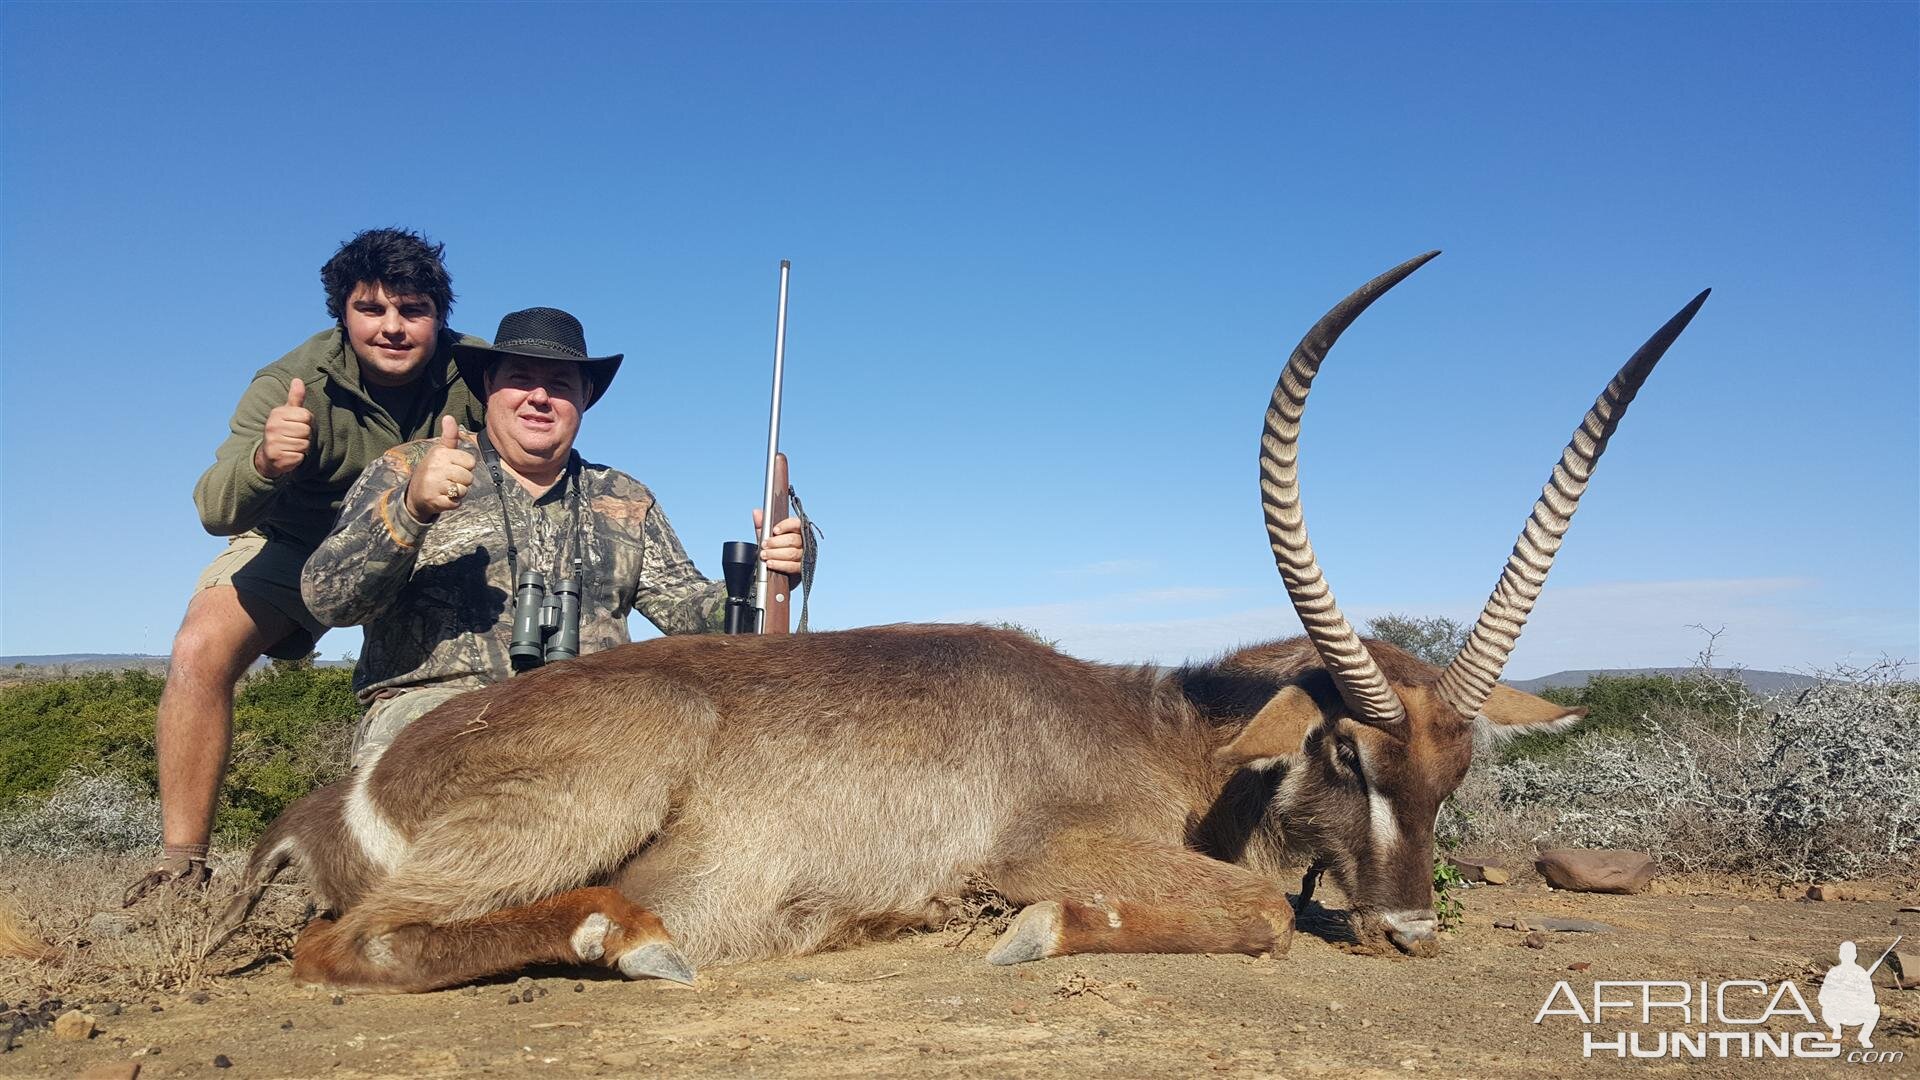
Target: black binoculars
{"x":546,"y":623}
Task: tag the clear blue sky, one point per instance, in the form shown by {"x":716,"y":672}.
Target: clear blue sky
{"x":1048,"y":260}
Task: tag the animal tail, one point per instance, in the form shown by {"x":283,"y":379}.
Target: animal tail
{"x":18,"y":943}
{"x":274,"y":853}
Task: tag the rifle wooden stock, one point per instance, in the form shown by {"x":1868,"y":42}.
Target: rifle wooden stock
{"x":779,"y":586}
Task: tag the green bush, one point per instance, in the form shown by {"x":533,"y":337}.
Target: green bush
{"x":291,"y":726}
{"x":1621,"y":705}
{"x":1435,"y":639}
{"x":97,"y":722}
{"x":1446,"y":882}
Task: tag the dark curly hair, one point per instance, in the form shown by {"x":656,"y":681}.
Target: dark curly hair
{"x":407,"y":263}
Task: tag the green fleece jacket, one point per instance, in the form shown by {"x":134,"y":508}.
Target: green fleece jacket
{"x":350,"y":430}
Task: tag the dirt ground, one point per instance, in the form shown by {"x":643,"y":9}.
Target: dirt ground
{"x":928,"y":1005}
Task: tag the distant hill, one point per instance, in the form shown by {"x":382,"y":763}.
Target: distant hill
{"x":77,"y":662}
{"x":1762,"y":683}
{"x":54,"y":663}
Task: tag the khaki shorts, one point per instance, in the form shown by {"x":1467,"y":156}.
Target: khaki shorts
{"x":387,"y":717}
{"x":268,"y":571}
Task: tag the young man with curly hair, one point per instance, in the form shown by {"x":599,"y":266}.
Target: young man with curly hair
{"x":381,"y":375}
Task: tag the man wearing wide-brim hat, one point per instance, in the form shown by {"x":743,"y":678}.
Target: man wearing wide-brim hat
{"x":434,"y":537}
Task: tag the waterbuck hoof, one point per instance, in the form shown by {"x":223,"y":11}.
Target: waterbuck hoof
{"x":657,"y":962}
{"x":1034,"y":935}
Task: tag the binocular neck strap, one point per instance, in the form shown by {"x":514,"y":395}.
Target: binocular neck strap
{"x":570,"y":483}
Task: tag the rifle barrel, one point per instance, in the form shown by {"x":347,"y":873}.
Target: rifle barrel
{"x":1884,"y":955}
{"x":773,"y":443}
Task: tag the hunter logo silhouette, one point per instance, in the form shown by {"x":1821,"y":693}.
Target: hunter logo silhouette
{"x":1846,"y":994}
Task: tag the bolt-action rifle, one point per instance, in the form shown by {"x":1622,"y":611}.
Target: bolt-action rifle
{"x":758,"y":598}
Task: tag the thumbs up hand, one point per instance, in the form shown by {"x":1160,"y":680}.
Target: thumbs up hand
{"x":289,"y":429}
{"x":443,"y":477}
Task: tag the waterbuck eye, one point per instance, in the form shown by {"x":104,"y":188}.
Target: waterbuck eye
{"x":1348,"y":755}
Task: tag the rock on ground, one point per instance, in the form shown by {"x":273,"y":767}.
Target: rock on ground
{"x":74,"y":1026}
{"x":1596,"y":870}
{"x":1480,"y":870}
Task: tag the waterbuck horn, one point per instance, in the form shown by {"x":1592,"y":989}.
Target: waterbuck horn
{"x":1358,"y":677}
{"x":1470,"y":678}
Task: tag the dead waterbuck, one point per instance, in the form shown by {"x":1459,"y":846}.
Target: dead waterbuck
{"x":699,"y":800}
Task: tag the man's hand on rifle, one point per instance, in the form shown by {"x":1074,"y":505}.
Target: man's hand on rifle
{"x":784,"y":549}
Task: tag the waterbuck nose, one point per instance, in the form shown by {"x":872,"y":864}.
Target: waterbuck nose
{"x":1407,"y":928}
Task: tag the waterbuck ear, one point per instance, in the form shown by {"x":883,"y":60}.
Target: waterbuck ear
{"x":1509,"y":712}
{"x":1277,"y":730}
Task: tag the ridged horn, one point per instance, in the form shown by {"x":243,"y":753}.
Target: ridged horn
{"x":1470,"y":677}
{"x":1354,"y":672}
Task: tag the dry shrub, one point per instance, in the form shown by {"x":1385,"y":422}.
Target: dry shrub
{"x":1824,"y":783}
{"x":103,"y":953}
{"x":979,"y":907}
{"x":107,"y":813}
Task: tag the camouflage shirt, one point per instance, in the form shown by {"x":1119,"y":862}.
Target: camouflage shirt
{"x":436,"y":598}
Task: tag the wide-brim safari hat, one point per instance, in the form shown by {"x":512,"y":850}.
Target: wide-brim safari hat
{"x":542,"y":333}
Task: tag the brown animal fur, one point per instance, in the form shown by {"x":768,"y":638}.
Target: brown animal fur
{"x":769,"y":796}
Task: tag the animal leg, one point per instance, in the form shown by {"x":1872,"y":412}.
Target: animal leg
{"x":374,"y":947}
{"x":1307,"y":883}
{"x":1103,"y":893}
